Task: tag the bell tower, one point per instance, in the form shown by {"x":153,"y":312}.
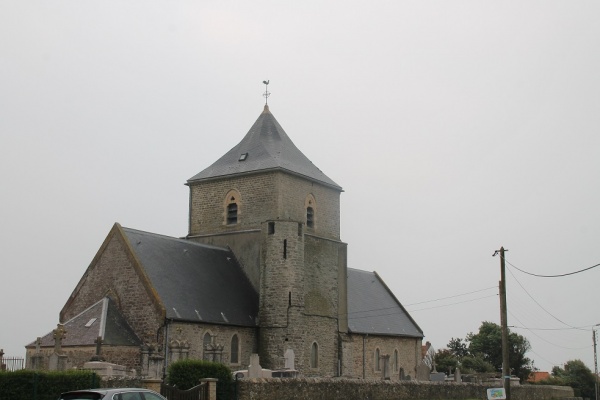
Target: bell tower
{"x":280,"y":215}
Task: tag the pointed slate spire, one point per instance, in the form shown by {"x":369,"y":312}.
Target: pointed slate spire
{"x":265,"y":147}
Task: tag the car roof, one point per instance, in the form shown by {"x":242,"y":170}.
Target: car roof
{"x":107,"y":391}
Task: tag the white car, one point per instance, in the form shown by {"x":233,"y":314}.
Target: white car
{"x":112,"y":394}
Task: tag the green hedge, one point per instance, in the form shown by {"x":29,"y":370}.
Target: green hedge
{"x":33,"y":385}
{"x":186,"y":374}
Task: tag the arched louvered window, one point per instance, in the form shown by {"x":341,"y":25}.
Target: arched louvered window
{"x":232,"y":207}
{"x":310,"y":217}
{"x":232,"y":211}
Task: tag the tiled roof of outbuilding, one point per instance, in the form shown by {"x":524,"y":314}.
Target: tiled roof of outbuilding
{"x":196,"y":282}
{"x":373,"y":308}
{"x":267,"y":147}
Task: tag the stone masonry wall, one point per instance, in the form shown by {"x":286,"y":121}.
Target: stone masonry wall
{"x":363,"y":389}
{"x":281,"y":291}
{"x":262,"y":196}
{"x":321,"y":306}
{"x":194,"y":334}
{"x":364,"y":346}
{"x":113,"y":275}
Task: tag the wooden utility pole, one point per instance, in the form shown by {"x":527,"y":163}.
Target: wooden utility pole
{"x":504,"y":324}
{"x":595,"y":362}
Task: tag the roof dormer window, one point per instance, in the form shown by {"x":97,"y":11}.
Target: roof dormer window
{"x":243,"y":157}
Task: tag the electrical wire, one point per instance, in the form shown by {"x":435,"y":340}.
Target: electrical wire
{"x":547,"y":341}
{"x":451,"y":297}
{"x":453,"y":304}
{"x":549,"y":276}
{"x":423,"y":302}
{"x":539,"y":305}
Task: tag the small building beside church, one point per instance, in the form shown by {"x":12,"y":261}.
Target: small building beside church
{"x":262,"y":269}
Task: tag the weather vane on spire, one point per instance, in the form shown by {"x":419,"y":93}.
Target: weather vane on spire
{"x":266,"y":94}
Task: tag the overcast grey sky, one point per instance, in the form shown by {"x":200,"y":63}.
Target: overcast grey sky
{"x":454,"y":127}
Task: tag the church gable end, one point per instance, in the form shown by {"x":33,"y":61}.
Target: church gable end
{"x":114,"y":272}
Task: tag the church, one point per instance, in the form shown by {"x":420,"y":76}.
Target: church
{"x":262,"y":270}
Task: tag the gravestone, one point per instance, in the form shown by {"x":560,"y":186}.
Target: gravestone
{"x":289,"y":359}
{"x":437,"y":377}
{"x":98,"y":356}
{"x":58,"y":361}
{"x":457,"y":377}
{"x":37,"y":359}
{"x":423,"y":372}
{"x":386,"y":366}
{"x":59,"y":334}
{"x":254,"y":369}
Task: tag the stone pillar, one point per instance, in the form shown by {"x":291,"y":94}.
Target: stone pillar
{"x":145,"y":352}
{"x":152,"y":384}
{"x":212,"y":387}
{"x":155,"y":367}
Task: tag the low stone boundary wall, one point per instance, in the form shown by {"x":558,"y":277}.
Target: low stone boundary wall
{"x":360,"y":389}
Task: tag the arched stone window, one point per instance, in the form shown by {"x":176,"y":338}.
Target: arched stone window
{"x":232,"y":207}
{"x":206,"y":342}
{"x":377,"y":360}
{"x":314,"y":355}
{"x":310,"y":205}
{"x":235,"y":349}
{"x":395,"y":360}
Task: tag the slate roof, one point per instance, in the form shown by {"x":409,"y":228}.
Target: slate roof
{"x":268,"y":147}
{"x":196,"y":282}
{"x":373,"y":308}
{"x":101,"y":319}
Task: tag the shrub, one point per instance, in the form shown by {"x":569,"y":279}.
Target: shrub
{"x":34,"y":385}
{"x":186,"y":374}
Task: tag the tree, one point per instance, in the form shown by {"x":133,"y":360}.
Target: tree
{"x":575,"y":374}
{"x":487,"y":344}
{"x":445,"y":361}
{"x":458,"y":348}
{"x":476,"y":363}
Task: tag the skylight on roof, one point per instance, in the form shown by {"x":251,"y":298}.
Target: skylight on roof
{"x":90,"y":322}
{"x":243,"y":157}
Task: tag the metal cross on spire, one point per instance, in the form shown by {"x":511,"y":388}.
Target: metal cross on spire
{"x":266,"y":94}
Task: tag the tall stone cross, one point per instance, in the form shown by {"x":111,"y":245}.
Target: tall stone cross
{"x":98,"y":342}
{"x":38,"y":343}
{"x":59,"y":334}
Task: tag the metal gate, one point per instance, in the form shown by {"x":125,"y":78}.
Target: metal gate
{"x":11,"y":363}
{"x":199,"y":392}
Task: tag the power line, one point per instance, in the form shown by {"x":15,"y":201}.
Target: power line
{"x":453,"y":304}
{"x":423,"y":302}
{"x":551,"y":276}
{"x":451,"y":297}
{"x":539,"y":305}
{"x":553,"y":344}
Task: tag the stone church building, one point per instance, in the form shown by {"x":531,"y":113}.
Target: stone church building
{"x":261,"y":270}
